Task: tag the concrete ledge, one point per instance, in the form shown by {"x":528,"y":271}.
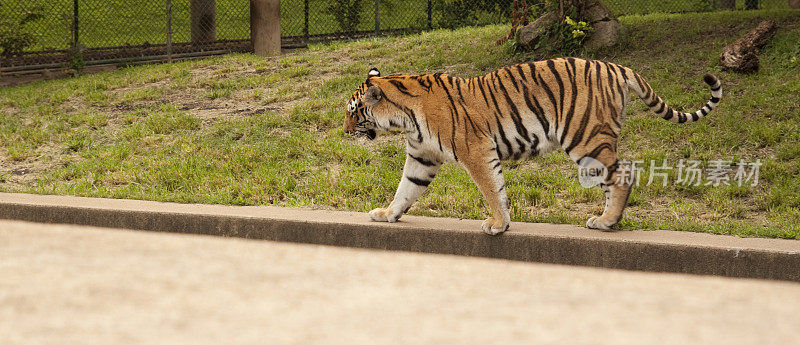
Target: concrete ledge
{"x":659,"y":251}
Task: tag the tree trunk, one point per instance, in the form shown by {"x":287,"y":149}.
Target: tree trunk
{"x":265,"y":26}
{"x":741,"y":56}
{"x":203,"y":20}
{"x":794,"y":3}
{"x":606,"y":27}
{"x":727,"y":4}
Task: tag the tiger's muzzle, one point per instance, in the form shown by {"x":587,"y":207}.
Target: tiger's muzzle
{"x":364,"y":133}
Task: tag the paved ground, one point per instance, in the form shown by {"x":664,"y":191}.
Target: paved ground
{"x":654,"y":251}
{"x":80,"y":285}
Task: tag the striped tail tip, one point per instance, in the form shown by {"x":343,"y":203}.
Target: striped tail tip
{"x":670,"y":114}
{"x":710,"y":79}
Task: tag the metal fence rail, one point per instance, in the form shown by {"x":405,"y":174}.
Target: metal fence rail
{"x":37,"y":34}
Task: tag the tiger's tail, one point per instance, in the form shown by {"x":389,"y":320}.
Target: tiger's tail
{"x":657,"y":105}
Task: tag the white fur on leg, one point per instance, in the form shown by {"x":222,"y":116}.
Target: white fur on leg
{"x":415,"y":178}
{"x":597,"y":222}
{"x":492,"y":227}
{"x":384,"y":215}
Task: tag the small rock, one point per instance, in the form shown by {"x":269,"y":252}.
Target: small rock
{"x":529,"y":34}
{"x":606,"y":33}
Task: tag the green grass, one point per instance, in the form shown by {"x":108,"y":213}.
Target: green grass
{"x":247,"y":130}
{"x":627,"y":7}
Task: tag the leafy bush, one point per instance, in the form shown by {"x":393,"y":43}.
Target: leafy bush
{"x":458,"y":13}
{"x":346,"y":13}
{"x":15,"y":35}
{"x":349,"y":13}
{"x":570,"y":35}
{"x":561,"y":37}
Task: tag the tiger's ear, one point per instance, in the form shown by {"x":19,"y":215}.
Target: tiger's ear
{"x":372,"y":96}
{"x":373,"y":72}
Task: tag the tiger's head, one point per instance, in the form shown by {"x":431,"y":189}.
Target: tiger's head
{"x":359,"y":119}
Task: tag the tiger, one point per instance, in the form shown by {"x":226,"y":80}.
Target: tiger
{"x":514,"y":112}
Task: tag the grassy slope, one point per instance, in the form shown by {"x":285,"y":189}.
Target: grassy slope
{"x":247,"y":130}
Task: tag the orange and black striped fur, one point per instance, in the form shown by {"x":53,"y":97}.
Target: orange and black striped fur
{"x":511,"y":113}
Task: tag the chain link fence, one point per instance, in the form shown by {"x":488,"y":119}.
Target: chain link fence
{"x":39,"y":34}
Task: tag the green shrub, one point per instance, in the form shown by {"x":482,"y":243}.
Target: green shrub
{"x":560,"y":38}
{"x":15,"y":35}
{"x":346,"y":13}
{"x":459,"y":13}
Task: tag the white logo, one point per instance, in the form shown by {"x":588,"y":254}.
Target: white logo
{"x":591,"y":172}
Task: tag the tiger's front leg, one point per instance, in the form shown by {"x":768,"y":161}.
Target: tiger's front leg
{"x":418,"y":173}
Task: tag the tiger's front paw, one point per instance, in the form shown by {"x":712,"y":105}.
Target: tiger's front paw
{"x":383,"y":215}
{"x":597,"y":222}
{"x":492,"y":226}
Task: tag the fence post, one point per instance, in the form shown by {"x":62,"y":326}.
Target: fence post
{"x":265,"y":26}
{"x":377,"y":17}
{"x":75,"y":54}
{"x":75,"y":40}
{"x":203,"y":20}
{"x":430,"y":15}
{"x":305,"y":20}
{"x":169,"y":30}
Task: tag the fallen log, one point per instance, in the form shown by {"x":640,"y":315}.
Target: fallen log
{"x":742,"y":55}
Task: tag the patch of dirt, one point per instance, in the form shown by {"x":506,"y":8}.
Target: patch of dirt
{"x":19,"y":175}
{"x":7,"y":110}
{"x":195,"y":100}
{"x":221,"y":108}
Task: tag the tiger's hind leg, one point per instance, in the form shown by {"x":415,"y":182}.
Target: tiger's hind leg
{"x":616,"y":184}
{"x":616,"y":198}
{"x":487,"y":173}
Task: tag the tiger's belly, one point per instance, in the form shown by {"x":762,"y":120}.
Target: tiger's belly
{"x":513,"y":144}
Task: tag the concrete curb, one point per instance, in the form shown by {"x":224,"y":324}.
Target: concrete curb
{"x":659,"y":251}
